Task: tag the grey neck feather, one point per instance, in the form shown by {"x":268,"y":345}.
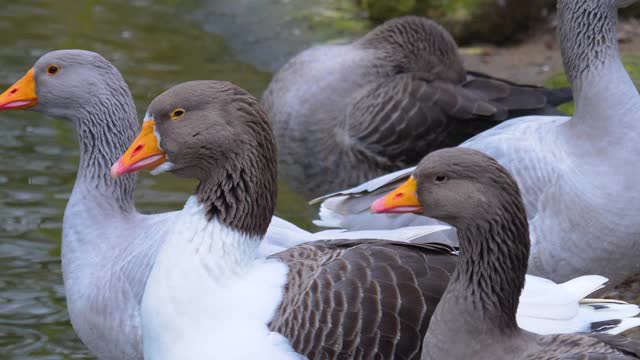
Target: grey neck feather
{"x":105,"y":130}
{"x":241,"y":191}
{"x":415,"y":44}
{"x":493,"y":262}
{"x":588,"y":35}
{"x":480,"y":304}
{"x":606,"y":100}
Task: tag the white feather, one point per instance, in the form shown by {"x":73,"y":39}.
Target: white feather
{"x":549,"y":308}
{"x":208,"y":297}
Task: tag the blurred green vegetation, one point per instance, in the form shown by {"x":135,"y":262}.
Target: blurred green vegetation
{"x":335,"y":19}
{"x":494,"y":21}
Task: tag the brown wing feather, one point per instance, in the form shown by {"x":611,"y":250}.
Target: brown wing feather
{"x":361,"y":299}
{"x":585,"y":347}
{"x":399,"y":119}
{"x":624,"y":344}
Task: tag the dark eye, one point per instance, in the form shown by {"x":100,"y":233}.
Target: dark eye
{"x":440,"y":179}
{"x":177,"y":114}
{"x":52,"y":69}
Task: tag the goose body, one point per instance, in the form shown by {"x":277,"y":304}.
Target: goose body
{"x":210,"y":296}
{"x":582,"y":197}
{"x":346,"y":113}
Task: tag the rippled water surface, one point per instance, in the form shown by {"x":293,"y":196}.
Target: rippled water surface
{"x":155,"y":44}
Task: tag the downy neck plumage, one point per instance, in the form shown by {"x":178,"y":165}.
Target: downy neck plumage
{"x":606,"y":100}
{"x":483,"y":293}
{"x":104,"y":128}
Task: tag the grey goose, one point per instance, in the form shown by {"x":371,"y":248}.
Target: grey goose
{"x":580,"y":190}
{"x":476,"y":317}
{"x":346,"y":113}
{"x":107,"y":246}
{"x":209,"y":296}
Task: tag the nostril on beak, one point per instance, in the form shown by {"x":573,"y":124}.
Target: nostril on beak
{"x":13,"y":91}
{"x":136,"y":150}
{"x":399,"y":195}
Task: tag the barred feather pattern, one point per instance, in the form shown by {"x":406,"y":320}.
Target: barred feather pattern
{"x":105,"y":130}
{"x":361,"y":299}
{"x":585,"y":347}
{"x":587,"y":36}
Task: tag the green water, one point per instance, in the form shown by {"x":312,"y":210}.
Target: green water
{"x":155,"y":44}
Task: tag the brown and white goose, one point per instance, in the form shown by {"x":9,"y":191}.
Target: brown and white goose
{"x":346,"y":113}
{"x":476,"y":317}
{"x":209,"y":297}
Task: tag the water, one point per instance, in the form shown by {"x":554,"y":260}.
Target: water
{"x":155,"y":44}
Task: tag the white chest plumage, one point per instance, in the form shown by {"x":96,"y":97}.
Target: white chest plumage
{"x":208,"y":297}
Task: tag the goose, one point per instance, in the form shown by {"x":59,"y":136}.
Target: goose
{"x":107,"y":246}
{"x":471,"y":191}
{"x":582,"y":196}
{"x":345,"y":113}
{"x":210,"y":296}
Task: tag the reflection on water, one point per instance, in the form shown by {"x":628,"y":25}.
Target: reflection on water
{"x":155,"y":44}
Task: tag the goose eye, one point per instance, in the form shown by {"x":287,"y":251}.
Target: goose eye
{"x":177,"y":114}
{"x":52,"y":69}
{"x":440,"y":179}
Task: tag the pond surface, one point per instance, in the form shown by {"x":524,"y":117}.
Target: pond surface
{"x":155,"y":44}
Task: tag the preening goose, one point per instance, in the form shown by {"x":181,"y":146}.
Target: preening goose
{"x":344,"y":114}
{"x":208,"y":296}
{"x":476,"y":317}
{"x":107,"y":246}
{"x":581,"y":194}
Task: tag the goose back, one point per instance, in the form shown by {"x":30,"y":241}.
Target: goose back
{"x":362,"y":299}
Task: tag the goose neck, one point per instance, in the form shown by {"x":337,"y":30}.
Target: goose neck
{"x":225,"y":252}
{"x":587,"y":32}
{"x":491,"y":271}
{"x":240,"y":192}
{"x":605,"y":97}
{"x":105,"y":131}
{"x":588,"y":36}
{"x":481,"y":300}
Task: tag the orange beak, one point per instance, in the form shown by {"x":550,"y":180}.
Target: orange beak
{"x":21,"y":95}
{"x":404,"y":199}
{"x":143,"y":154}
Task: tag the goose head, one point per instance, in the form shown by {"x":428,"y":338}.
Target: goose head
{"x":217,"y":133}
{"x":196,"y":127}
{"x":454,"y":185}
{"x":66,"y":83}
{"x":416,"y":44}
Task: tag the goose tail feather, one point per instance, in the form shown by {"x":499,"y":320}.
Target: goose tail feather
{"x":550,"y":308}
